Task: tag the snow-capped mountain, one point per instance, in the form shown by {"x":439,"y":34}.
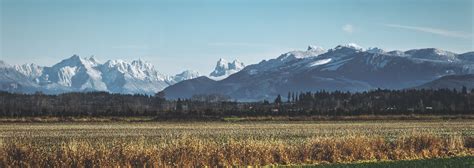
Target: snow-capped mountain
{"x":132,"y":77}
{"x":311,"y":51}
{"x":186,"y":75}
{"x":77,"y":74}
{"x":224,"y":69}
{"x":375,"y":50}
{"x":31,"y":70}
{"x":345,"y":67}
{"x":13,"y":81}
{"x":73,"y":74}
{"x":432,"y":54}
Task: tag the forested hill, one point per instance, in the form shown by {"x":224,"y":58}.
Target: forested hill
{"x":375,"y":102}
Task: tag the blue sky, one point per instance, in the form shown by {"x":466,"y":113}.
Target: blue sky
{"x":193,"y":34}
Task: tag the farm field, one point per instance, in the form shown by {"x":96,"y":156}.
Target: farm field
{"x":455,"y":162}
{"x":184,"y":144}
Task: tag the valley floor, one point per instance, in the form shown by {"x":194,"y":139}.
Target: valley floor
{"x":184,"y":144}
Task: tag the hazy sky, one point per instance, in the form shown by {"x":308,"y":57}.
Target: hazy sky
{"x":175,"y":35}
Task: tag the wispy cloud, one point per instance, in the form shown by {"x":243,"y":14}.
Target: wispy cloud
{"x":238,"y":44}
{"x":348,"y":28}
{"x":436,"y":31}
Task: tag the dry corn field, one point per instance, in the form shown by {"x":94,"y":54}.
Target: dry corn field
{"x":196,"y":144}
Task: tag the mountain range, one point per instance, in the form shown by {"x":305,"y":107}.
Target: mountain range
{"x":344,"y":67}
{"x":77,"y":74}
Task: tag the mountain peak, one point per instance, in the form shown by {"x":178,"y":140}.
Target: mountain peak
{"x":351,"y":46}
{"x":222,"y":62}
{"x":432,"y":54}
{"x":236,"y":61}
{"x":442,"y":52}
{"x":354,"y":45}
{"x":74,"y":60}
{"x":93,"y":59}
{"x":30,"y":70}
{"x":187,"y":71}
{"x":186,"y":75}
{"x":142,"y":64}
{"x":375,"y":50}
{"x":224,"y":68}
{"x":315,"y":48}
{"x":311,"y":51}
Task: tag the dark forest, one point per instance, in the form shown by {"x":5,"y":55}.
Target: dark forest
{"x":375,"y":102}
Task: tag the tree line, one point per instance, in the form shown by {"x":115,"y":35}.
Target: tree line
{"x":323,"y":103}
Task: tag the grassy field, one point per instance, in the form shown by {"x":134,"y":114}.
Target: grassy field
{"x":184,"y":144}
{"x":455,"y":162}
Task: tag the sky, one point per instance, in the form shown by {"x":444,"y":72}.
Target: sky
{"x":176,"y":35}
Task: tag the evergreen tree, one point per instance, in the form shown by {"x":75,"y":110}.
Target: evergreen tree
{"x":179,"y":105}
{"x":464,"y":90}
{"x":293,"y":97}
{"x":278,"y":100}
{"x":289,"y":97}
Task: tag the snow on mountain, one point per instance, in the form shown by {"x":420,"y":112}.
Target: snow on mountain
{"x":287,"y":58}
{"x":432,"y":54}
{"x":73,"y":74}
{"x":396,"y":53}
{"x":186,"y":75}
{"x":136,"y":69}
{"x":31,"y":70}
{"x":375,"y":50}
{"x":133,"y":77}
{"x":344,"y":68}
{"x":13,"y":81}
{"x":351,"y":46}
{"x":77,"y":74}
{"x":224,"y":69}
{"x":312,"y":51}
{"x":320,"y":62}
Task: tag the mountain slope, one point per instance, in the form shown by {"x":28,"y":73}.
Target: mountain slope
{"x":469,"y":56}
{"x":134,"y":77}
{"x":199,"y":85}
{"x":32,"y":71}
{"x":345,"y":68}
{"x":450,"y":82}
{"x":73,"y":74}
{"x":13,"y":81}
